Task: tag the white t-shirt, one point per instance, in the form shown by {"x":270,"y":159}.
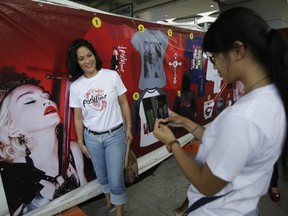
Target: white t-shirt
{"x":98,"y":99}
{"x":241,"y":146}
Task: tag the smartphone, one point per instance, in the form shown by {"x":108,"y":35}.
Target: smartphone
{"x":155,"y":107}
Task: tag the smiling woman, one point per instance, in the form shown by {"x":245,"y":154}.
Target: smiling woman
{"x":98,"y":98}
{"x":29,"y":138}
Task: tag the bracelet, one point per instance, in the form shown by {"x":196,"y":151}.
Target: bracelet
{"x":129,"y":125}
{"x":79,"y":141}
{"x":194,"y":129}
{"x":170,"y":144}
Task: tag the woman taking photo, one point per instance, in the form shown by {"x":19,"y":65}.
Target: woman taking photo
{"x":234,"y":163}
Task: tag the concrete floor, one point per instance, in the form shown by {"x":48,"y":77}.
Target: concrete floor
{"x":163,"y":189}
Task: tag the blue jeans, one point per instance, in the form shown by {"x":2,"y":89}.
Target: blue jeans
{"x":108,"y":154}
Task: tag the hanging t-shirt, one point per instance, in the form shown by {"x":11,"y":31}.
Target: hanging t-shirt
{"x":198,"y":77}
{"x":213,"y":75}
{"x":208,"y":107}
{"x":152,"y":45}
{"x":146,"y":137}
{"x":186,"y":104}
{"x":194,"y":52}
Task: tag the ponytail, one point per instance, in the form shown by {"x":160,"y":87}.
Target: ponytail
{"x":277,"y":65}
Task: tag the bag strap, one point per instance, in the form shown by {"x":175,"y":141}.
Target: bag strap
{"x":202,"y":201}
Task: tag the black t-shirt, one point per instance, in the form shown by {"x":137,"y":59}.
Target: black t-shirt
{"x":186,"y":105}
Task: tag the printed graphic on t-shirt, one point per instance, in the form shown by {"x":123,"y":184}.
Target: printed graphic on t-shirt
{"x":119,"y":58}
{"x":193,"y":50}
{"x":95,"y":99}
{"x":146,"y":136}
{"x":152,"y":46}
{"x":219,"y":105}
{"x":175,"y":63}
{"x":208,"y":109}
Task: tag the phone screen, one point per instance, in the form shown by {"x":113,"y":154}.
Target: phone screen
{"x":155,"y":107}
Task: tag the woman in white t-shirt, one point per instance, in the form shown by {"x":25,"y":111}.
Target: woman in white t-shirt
{"x":235,"y":161}
{"x":98,"y":98}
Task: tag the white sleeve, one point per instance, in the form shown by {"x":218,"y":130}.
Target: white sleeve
{"x":73,"y":99}
{"x":233,"y":147}
{"x":120,"y":87}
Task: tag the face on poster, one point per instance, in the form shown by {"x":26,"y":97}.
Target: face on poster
{"x":37,"y":164}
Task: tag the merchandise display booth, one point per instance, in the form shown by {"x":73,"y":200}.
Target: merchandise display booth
{"x":151,"y":59}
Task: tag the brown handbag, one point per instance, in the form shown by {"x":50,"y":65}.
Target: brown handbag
{"x":131,"y":166}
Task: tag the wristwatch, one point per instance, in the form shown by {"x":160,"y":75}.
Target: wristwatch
{"x":171,"y":143}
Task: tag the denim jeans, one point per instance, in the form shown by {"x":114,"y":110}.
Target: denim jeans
{"x":107,"y":154}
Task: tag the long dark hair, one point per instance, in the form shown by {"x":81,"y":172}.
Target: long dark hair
{"x":72,"y":62}
{"x":268,"y":46}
